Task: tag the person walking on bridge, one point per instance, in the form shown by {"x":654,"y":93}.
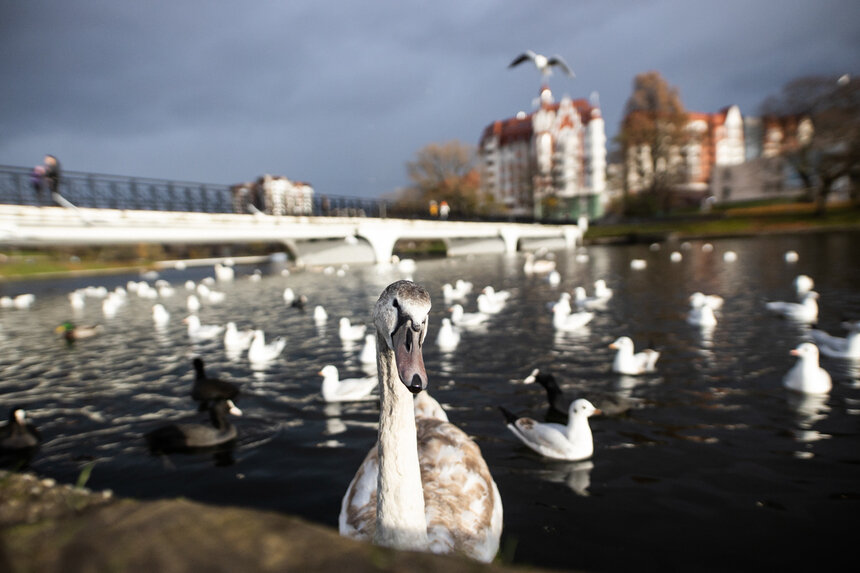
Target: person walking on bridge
{"x":52,"y":176}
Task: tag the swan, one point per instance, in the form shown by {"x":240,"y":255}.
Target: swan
{"x":805,"y":311}
{"x":236,"y":341}
{"x":837,"y":347}
{"x":803,"y":284}
{"x":160,"y":316}
{"x":349,"y":390}
{"x":261,"y":352}
{"x":425,"y":486}
{"x":543,"y":63}
{"x":562,"y":320}
{"x":368,"y":351}
{"x":571,"y":442}
{"x":466,"y":319}
{"x":806,"y":375}
{"x":206,"y":389}
{"x":351,"y":332}
{"x":187,"y":436}
{"x":198,"y":332}
{"x":626,"y":362}
{"x":448,"y":337}
{"x":427,"y":407}
{"x":18,"y":433}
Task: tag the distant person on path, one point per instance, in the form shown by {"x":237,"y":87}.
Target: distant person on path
{"x":434,"y":209}
{"x":444,"y":209}
{"x":52,"y":175}
{"x":37,"y":181}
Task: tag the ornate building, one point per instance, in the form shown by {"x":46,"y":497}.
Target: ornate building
{"x":550,"y":163}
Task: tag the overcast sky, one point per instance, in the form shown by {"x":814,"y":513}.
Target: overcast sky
{"x":343,"y":94}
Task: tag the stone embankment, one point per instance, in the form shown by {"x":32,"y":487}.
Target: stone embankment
{"x":48,"y":527}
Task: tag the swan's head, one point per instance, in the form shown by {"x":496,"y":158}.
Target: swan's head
{"x":401,"y":317}
{"x":582,"y":407}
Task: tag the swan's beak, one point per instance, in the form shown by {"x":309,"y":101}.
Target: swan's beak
{"x":407,"y":341}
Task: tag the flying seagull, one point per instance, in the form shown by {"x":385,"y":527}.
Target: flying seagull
{"x":543,"y":63}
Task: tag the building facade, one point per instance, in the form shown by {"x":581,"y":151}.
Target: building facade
{"x":549,"y":163}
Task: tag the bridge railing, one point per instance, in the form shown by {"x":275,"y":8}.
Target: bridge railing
{"x":102,"y":191}
{"x":17,"y":187}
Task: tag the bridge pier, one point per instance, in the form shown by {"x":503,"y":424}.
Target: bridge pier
{"x":511,"y":238}
{"x":381,"y":241}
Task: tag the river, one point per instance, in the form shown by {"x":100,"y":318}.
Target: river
{"x":712,"y":466}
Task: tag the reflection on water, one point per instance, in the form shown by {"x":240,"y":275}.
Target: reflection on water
{"x":711,"y":433}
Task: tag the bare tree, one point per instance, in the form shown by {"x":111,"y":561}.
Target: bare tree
{"x":832,"y":151}
{"x":654,"y":128}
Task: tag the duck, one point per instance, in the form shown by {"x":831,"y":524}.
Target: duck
{"x":805,"y":311}
{"x":349,"y":390}
{"x":490,"y":305}
{"x":571,"y":442}
{"x":351,"y":332}
{"x":19,"y":433}
{"x":409,"y":492}
{"x":448,"y":337}
{"x":160,"y":316}
{"x":299,"y":302}
{"x":626,"y":362}
{"x":261,"y":352}
{"x":836,"y":346}
{"x":236,"y":340}
{"x":464,"y":319}
{"x":72,"y":333}
{"x":806,"y":375}
{"x":184,"y":437}
{"x":569,"y":321}
{"x":205,"y":389}
{"x":198,"y":332}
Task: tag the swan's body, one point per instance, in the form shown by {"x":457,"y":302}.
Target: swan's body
{"x":571,"y":442}
{"x":351,"y":332}
{"x":261,"y":352}
{"x":466,"y":319}
{"x":425,"y":485}
{"x":349,"y":390}
{"x":628,"y":362}
{"x":427,"y":407}
{"x":836,"y":346}
{"x":805,"y":311}
{"x":448,"y":337}
{"x":236,"y":340}
{"x":806,"y":375}
{"x":543,"y":63}
{"x":198,"y":332}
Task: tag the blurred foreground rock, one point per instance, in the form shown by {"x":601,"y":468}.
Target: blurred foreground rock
{"x":46,"y":527}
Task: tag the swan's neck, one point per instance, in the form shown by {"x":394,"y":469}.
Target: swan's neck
{"x":400,"y":520}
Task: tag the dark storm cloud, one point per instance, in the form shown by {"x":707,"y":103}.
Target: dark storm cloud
{"x":342,"y":94}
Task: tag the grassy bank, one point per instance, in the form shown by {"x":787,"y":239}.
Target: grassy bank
{"x":736,"y":221}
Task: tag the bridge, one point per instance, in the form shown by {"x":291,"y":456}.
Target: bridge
{"x":344,"y":235}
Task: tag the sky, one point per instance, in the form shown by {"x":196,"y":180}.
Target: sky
{"x":343,"y":94}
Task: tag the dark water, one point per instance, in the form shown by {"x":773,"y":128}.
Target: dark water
{"x":717,"y":467}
